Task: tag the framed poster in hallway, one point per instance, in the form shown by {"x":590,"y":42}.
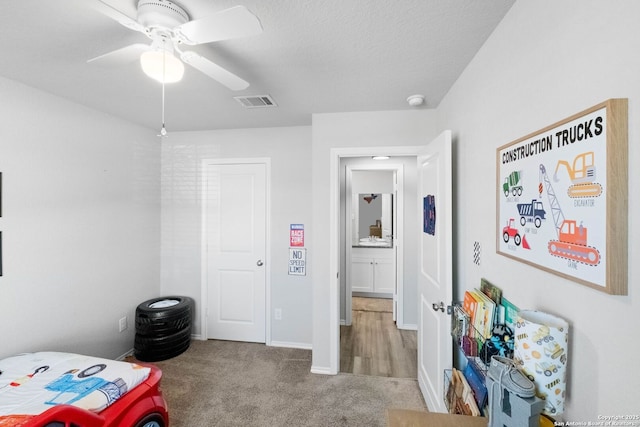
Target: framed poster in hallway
{"x":562,"y":198}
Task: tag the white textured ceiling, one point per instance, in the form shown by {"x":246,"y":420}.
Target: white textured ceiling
{"x":314,"y":56}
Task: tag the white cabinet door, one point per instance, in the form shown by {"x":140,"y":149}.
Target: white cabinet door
{"x":384,"y":275}
{"x":361,"y":275}
{"x":373,"y":270}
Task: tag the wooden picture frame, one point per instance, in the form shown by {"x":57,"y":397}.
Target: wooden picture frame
{"x":562,"y":198}
{"x":0,"y":216}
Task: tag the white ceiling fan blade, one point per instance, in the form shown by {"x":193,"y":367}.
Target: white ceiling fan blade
{"x":118,"y":16}
{"x":230,"y":23}
{"x":121,"y":56}
{"x":214,"y":71}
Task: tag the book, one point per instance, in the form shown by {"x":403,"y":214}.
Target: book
{"x":485,"y":314}
{"x":451,"y":392}
{"x":491,"y":290}
{"x":460,"y":398}
{"x":469,"y":304}
{"x":478,"y":318}
{"x":468,"y":404}
{"x":469,"y":346}
{"x":500,"y":318}
{"x":460,"y":323}
{"x":475,"y":378}
{"x":510,"y":313}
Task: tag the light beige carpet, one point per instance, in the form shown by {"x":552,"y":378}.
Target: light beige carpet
{"x":222,"y":383}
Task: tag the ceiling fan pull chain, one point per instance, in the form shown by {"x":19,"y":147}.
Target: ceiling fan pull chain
{"x":163,"y":131}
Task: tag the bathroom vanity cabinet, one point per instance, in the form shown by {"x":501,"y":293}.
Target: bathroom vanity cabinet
{"x":373,"y":270}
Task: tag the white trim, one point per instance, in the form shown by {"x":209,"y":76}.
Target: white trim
{"x":408,"y":327}
{"x":334,"y":267}
{"x":203,"y":238}
{"x":322,"y":370}
{"x":286,"y":344}
{"x":334,"y":237}
{"x":398,"y":232}
{"x":348,"y":236}
{"x":125,"y":355}
{"x":204,"y":293}
{"x":398,"y":204}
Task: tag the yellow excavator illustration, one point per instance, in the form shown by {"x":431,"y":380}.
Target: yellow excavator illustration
{"x":582,"y":174}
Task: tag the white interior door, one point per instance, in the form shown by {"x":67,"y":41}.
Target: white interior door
{"x":435,"y":270}
{"x":235,"y":233}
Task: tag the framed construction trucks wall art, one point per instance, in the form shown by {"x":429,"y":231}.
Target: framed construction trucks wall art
{"x":562,"y":198}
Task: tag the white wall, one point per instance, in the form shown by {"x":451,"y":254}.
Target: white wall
{"x":290,"y":153}
{"x":340,"y":130}
{"x":80,"y":225}
{"x":546,"y":61}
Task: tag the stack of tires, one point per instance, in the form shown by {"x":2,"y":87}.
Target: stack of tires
{"x":163,"y":328}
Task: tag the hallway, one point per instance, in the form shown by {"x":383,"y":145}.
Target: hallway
{"x":373,"y":345}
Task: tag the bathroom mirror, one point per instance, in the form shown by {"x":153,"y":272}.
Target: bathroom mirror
{"x":372,"y":219}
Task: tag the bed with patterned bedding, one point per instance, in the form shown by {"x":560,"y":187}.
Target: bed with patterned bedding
{"x":64,"y":389}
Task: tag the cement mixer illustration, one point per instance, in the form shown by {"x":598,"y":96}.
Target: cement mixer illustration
{"x":512,"y":184}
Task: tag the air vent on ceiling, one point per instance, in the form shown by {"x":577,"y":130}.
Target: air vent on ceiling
{"x":259,"y":101}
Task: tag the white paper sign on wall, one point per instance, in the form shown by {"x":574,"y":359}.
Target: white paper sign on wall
{"x":297,"y":262}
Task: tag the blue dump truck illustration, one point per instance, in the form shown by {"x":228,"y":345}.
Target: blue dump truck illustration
{"x":531,"y":212}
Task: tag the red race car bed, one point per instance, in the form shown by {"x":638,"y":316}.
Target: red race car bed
{"x":50,"y":389}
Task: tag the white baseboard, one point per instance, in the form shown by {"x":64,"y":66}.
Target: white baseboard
{"x":408,"y":327}
{"x":123,"y":356}
{"x":285,"y":344}
{"x":321,"y":370}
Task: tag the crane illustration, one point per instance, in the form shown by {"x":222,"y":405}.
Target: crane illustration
{"x":571,"y":240}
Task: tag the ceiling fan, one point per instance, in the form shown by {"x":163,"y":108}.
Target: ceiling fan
{"x":170,"y":28}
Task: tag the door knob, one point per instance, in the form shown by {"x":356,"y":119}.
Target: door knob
{"x":259,"y":263}
{"x":437,"y":306}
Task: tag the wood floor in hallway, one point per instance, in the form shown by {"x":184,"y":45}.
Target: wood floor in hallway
{"x":373,"y":345}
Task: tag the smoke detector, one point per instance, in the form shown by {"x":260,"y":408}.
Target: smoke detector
{"x":415,"y":100}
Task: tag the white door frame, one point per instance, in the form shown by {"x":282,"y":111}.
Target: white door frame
{"x":398,"y":235}
{"x":203,"y":240}
{"x":334,"y":236}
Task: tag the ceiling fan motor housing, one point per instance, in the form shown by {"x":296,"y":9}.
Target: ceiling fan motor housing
{"x":161,"y":14}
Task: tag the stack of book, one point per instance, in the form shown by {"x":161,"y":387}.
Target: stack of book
{"x":486,"y":308}
{"x":482,"y":312}
{"x":460,"y":397}
{"x":475,"y":329}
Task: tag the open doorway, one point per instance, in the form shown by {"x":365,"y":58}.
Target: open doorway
{"x":377,"y":313}
{"x":373,"y":345}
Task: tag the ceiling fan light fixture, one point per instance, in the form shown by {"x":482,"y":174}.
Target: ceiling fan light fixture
{"x":162,"y":66}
